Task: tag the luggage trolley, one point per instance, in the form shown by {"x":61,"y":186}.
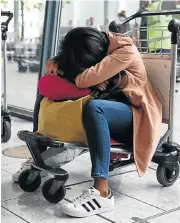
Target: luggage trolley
{"x":167,"y":155}
{"x":5,"y":114}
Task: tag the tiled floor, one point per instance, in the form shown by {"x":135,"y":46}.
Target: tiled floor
{"x":138,"y":200}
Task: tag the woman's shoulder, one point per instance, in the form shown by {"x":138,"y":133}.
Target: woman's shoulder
{"x":118,"y":41}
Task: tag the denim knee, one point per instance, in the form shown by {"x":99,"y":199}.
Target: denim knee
{"x":90,"y":110}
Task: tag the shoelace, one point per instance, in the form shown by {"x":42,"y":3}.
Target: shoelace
{"x":83,"y":197}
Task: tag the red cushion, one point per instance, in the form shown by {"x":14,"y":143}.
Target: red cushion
{"x":118,"y":156}
{"x":57,"y":88}
{"x":114,"y":143}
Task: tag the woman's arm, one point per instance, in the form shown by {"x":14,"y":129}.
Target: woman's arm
{"x":57,"y":88}
{"x":50,"y":67}
{"x":118,"y":60}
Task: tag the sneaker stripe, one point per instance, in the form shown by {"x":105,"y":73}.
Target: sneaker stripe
{"x":110,"y":196}
{"x":95,"y":201}
{"x":85,"y":207}
{"x":91,"y":205}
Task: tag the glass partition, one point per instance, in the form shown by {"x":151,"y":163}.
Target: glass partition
{"x":94,"y":13}
{"x":24,"y":41}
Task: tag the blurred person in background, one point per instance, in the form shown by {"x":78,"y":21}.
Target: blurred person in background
{"x":122,"y":17}
{"x":70,"y":24}
{"x":157,"y":32}
{"x":92,"y":24}
{"x":87,"y":22}
{"x":143,"y":28}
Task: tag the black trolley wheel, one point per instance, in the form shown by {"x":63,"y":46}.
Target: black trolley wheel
{"x":6,"y":134}
{"x":167,"y":176}
{"x":29,"y":186}
{"x":57,"y":196}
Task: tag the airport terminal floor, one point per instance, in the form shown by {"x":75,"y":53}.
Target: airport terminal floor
{"x":35,"y":33}
{"x":137,"y":200}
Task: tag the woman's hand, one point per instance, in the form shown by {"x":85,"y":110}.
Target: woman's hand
{"x":102,"y":86}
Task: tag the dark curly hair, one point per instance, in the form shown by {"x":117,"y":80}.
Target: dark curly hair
{"x":81,"y":48}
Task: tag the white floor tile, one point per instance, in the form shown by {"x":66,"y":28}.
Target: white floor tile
{"x":35,"y":209}
{"x":17,"y":125}
{"x":128,"y":209}
{"x":167,"y":218}
{"x":10,"y":190}
{"x":10,"y":165}
{"x":147,"y":189}
{"x":8,"y":160}
{"x":8,"y":217}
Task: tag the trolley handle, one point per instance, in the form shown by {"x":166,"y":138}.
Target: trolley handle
{"x":140,"y":14}
{"x":6,"y":13}
{"x":9,"y":15}
{"x":174,"y":25}
{"x":174,"y":28}
{"x":114,"y":26}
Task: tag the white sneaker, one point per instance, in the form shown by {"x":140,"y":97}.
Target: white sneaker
{"x":24,"y":166}
{"x":89,"y":203}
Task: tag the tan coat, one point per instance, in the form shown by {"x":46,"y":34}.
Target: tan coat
{"x":147,"y":113}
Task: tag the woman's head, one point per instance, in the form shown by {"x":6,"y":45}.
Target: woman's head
{"x":81,"y":48}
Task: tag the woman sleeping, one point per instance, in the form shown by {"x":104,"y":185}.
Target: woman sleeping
{"x":89,"y":58}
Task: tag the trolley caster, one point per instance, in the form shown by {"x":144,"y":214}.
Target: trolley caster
{"x":53,"y":190}
{"x":29,"y":180}
{"x":167,"y":176}
{"x":6,"y":131}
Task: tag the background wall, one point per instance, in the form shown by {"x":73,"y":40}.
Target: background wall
{"x":80,"y":10}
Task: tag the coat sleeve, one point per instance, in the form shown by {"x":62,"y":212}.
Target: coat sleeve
{"x":118,"y":60}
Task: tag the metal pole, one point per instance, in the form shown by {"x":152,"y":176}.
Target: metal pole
{"x":55,"y":37}
{"x":4,"y":76}
{"x":51,"y":25}
{"x":106,"y":14}
{"x":172,"y":91}
{"x":16,"y":20}
{"x":22,"y":16}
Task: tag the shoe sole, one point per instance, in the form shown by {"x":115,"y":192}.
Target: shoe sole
{"x":89,"y":213}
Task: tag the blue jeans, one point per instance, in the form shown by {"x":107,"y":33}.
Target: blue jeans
{"x":102,"y":120}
